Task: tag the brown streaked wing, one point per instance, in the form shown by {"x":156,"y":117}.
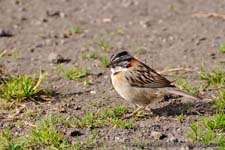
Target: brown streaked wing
{"x":145,"y":77}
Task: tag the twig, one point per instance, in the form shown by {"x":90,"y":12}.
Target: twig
{"x":33,"y":100}
{"x":176,"y":69}
{"x":3,"y":53}
{"x":14,"y":116}
{"x":29,"y":124}
{"x":207,"y":15}
{"x":17,"y":112}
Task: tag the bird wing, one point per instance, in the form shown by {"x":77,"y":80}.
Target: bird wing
{"x":145,"y":77}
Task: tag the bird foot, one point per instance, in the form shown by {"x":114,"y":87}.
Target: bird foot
{"x":133,"y":113}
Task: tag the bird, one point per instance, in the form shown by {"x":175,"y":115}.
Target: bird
{"x":138,"y":83}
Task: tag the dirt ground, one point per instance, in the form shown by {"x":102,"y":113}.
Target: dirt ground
{"x":164,"y":34}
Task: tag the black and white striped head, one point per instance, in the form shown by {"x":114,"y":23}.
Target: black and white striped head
{"x":120,"y":62}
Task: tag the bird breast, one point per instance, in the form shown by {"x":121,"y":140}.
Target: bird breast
{"x":138,"y":96}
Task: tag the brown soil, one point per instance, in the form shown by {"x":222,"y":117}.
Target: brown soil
{"x":165,"y":33}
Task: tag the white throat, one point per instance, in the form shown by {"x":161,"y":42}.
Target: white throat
{"x":118,"y":69}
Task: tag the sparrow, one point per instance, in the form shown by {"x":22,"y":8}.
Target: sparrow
{"x":138,"y":83}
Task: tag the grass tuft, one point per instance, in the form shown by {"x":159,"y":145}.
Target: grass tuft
{"x":220,"y":102}
{"x":103,"y":45}
{"x":45,"y":134}
{"x":104,"y":61}
{"x":222,"y":47}
{"x":58,"y":69}
{"x":20,"y":87}
{"x":137,"y":50}
{"x":180,"y":117}
{"x":217,"y":121}
{"x":182,"y":84}
{"x":88,"y":54}
{"x":211,"y":129}
{"x":120,"y":31}
{"x":89,"y":143}
{"x":75,"y":73}
{"x":107,"y":117}
{"x":74,"y":29}
{"x":216,"y":77}
{"x":8,"y":142}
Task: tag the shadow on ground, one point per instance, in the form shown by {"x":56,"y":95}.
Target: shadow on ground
{"x":175,"y":109}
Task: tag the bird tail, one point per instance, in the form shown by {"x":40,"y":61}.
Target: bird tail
{"x":183,"y":93}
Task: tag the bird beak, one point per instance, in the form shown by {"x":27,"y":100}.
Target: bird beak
{"x":107,"y":66}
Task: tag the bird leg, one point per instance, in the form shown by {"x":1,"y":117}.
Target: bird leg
{"x":134,"y":112}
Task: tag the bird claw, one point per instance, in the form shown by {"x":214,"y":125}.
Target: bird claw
{"x":133,"y":113}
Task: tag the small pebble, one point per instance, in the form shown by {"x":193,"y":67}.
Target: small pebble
{"x":57,"y":58}
{"x":93,"y":92}
{"x":171,"y":138}
{"x":75,"y":133}
{"x":213,"y":55}
{"x":158,"y":135}
{"x":5,"y":33}
{"x":107,"y":20}
{"x":145,"y":23}
{"x":198,"y":42}
{"x":55,"y":13}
